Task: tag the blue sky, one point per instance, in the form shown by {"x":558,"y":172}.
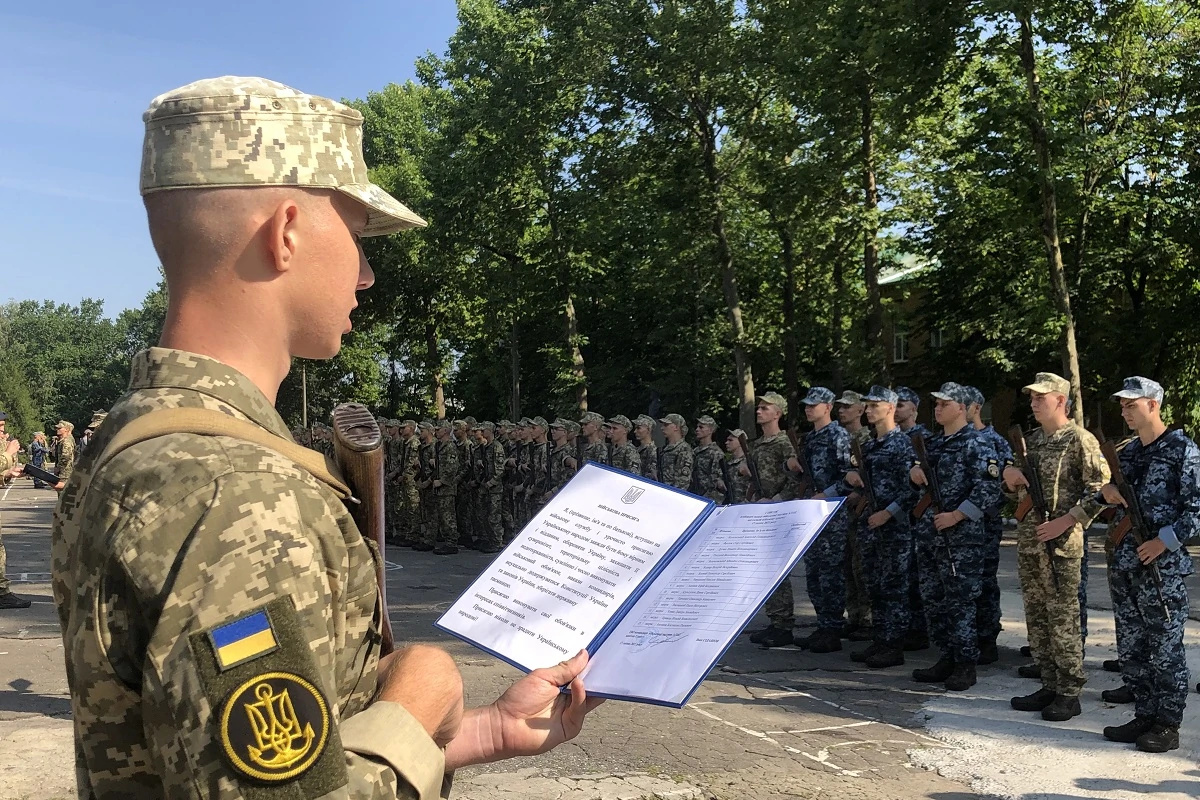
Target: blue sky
{"x":77,"y":76}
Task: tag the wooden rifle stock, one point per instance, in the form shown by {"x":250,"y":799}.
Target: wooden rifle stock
{"x":358,"y":450}
{"x":755,"y":479}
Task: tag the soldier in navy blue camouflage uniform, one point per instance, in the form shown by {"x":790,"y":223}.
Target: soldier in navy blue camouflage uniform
{"x":828,"y":452}
{"x":907,"y":406}
{"x":885,"y":536}
{"x":951,"y":540}
{"x":1163,"y":469}
{"x":987,"y":610}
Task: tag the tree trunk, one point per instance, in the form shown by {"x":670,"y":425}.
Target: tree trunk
{"x":791,"y":367}
{"x":434,"y":359}
{"x":577,"y":371}
{"x":571,"y":322}
{"x":733,"y":305}
{"x":1058,"y":279}
{"x":514,"y":366}
{"x":836,"y":339}
{"x":874,"y":331}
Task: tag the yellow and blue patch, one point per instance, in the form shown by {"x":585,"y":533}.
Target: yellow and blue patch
{"x":243,"y":639}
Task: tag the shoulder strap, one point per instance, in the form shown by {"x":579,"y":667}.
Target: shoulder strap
{"x":208,"y":422}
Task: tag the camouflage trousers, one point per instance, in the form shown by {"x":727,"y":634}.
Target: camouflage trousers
{"x":507,"y":516}
{"x":951,"y":582}
{"x":987,"y":608}
{"x":1052,"y":618}
{"x":491,"y":525}
{"x":858,"y":599}
{"x":464,"y":506}
{"x":4,"y":584}
{"x":825,"y":574}
{"x":442,"y":521}
{"x":408,"y":513}
{"x":425,"y":519}
{"x":391,"y":514}
{"x":918,"y":623}
{"x":888,"y":567}
{"x":1149,"y":644}
{"x":781,"y":605}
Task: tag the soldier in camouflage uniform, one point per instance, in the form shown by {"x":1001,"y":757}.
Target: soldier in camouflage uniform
{"x":827,"y":449}
{"x":563,"y":464}
{"x":738,"y":478}
{"x":539,"y":464}
{"x":850,"y":409}
{"x":425,"y":463}
{"x":676,"y":458}
{"x":490,"y":455}
{"x":951,"y":539}
{"x":507,"y":437}
{"x":391,"y":477}
{"x":707,"y":458}
{"x":591,"y":425}
{"x":624,"y":455}
{"x":206,"y":582}
{"x":1162,"y":468}
{"x":1072,"y":470}
{"x":468,"y":484}
{"x":643,"y":429}
{"x":64,"y":451}
{"x":771,"y":452}
{"x":906,"y":419}
{"x":409,"y":506}
{"x":987,"y":610}
{"x":9,"y":469}
{"x":884,"y":529}
{"x":447,"y":472}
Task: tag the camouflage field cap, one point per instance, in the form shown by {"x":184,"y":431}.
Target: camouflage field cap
{"x":1138,"y":387}
{"x":504,"y":425}
{"x":425,"y":425}
{"x":233,"y":131}
{"x":674,"y":419}
{"x":442,"y":423}
{"x":486,"y":426}
{"x":706,"y":420}
{"x":461,"y":425}
{"x":1049,"y":383}
{"x":817,"y":395}
{"x":644,"y":421}
{"x":408,"y":423}
{"x":975,"y":395}
{"x":98,"y":418}
{"x":881,"y":394}
{"x":62,"y":423}
{"x":774,"y":399}
{"x":540,"y":422}
{"x":620,"y":420}
{"x":905,"y":393}
{"x":954,"y":392}
{"x":525,"y":422}
{"x":591,"y":416}
{"x":736,"y":433}
{"x":849,"y":398}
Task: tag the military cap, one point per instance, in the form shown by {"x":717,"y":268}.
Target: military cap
{"x":674,"y":419}
{"x":737,"y":433}
{"x":706,"y":420}
{"x":425,"y":425}
{"x":621,"y":420}
{"x":774,"y":399}
{"x":525,"y":422}
{"x":1137,"y":386}
{"x":591,"y":416}
{"x":503,"y":424}
{"x":569,"y":425}
{"x":559,"y":422}
{"x":954,"y":392}
{"x":486,"y":426}
{"x":645,"y":421}
{"x":881,"y":394}
{"x":849,"y":398}
{"x":442,"y":423}
{"x":98,"y":418}
{"x":62,"y":423}
{"x":470,"y":420}
{"x":233,"y":131}
{"x":817,"y":395}
{"x":1049,"y":383}
{"x":461,"y":425}
{"x":540,"y":422}
{"x":408,"y":423}
{"x":975,"y":395}
{"x":905,"y":393}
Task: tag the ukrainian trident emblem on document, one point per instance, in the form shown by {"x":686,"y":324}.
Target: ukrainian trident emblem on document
{"x":630,"y":497}
{"x":267,"y":728}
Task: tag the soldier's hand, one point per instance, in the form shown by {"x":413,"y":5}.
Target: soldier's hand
{"x":570,"y":462}
{"x":13,"y":447}
{"x":15,"y":472}
{"x":720,"y":485}
{"x":948,"y":519}
{"x":1049,"y":531}
{"x":917,"y":476}
{"x":437,"y":484}
{"x":1112,"y":495}
{"x":426,"y":681}
{"x":1014,"y":478}
{"x":743,"y":470}
{"x":854,"y":479}
{"x":878,"y":518}
{"x":1151,"y":549}
{"x":819,"y":496}
{"x":793,"y":465}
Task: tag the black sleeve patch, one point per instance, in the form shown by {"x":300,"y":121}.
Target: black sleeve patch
{"x":271,"y":723}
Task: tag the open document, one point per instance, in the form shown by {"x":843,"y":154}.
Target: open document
{"x":654,"y":582}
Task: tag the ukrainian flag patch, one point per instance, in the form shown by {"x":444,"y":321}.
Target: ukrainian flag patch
{"x":243,"y":640}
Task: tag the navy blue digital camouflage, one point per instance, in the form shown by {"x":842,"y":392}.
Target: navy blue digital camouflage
{"x":828,"y":452}
{"x":987,"y":616}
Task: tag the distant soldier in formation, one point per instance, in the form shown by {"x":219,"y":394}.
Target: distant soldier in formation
{"x":850,"y":410}
{"x":676,"y":457}
{"x":643,"y":429}
{"x":563,"y":464}
{"x":491,"y":457}
{"x":591,"y":425}
{"x":464,"y":498}
{"x":624,"y":455}
{"x":907,"y":407}
{"x":445,"y":476}
{"x":409,"y":505}
{"x":707,"y":477}
{"x":391,"y":477}
{"x":426,"y":460}
{"x":507,"y":435}
{"x":539,"y":462}
{"x":738,"y":476}
{"x":64,"y":450}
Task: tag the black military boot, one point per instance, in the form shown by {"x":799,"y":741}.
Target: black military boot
{"x":1027,"y":651}
{"x":937,"y":673}
{"x":10,"y":600}
{"x":825,"y":642}
{"x":777,"y":637}
{"x":1030,"y":671}
{"x":860,"y":633}
{"x":1062,"y":709}
{"x":861,"y":656}
{"x":1112,"y":665}
{"x":758,"y":636}
{"x":886,"y":656}
{"x":915,"y":640}
{"x":422,"y":547}
{"x":988,"y":652}
{"x":445,"y":550}
{"x":1034,"y":702}
{"x":1119,"y":696}
{"x":1159,"y":739}
{"x":962,"y":678}
{"x":1130,"y":732}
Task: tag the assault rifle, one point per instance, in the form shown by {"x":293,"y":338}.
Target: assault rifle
{"x":808,"y":482}
{"x":1134,"y":521}
{"x":726,"y":479}
{"x":865,"y":497}
{"x":756,"y":486}
{"x":39,"y":474}
{"x":933,"y":496}
{"x":1035,"y":497}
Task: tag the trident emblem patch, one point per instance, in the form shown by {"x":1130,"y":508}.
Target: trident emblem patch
{"x":630,"y":497}
{"x":274,"y":726}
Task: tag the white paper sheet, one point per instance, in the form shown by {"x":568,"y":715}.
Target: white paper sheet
{"x":547,"y":595}
{"x":675,"y":632}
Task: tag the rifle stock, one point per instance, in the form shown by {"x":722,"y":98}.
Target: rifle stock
{"x":934,"y":495}
{"x":1034,"y":498}
{"x":807,"y":483}
{"x":755,"y":479}
{"x":358,"y":450}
